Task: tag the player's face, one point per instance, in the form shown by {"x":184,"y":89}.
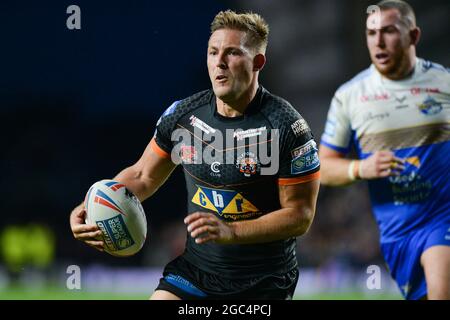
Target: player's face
{"x":230,"y":64}
{"x":389,"y":44}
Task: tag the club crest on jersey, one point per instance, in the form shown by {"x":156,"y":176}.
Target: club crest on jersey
{"x":248,"y":164}
{"x":223,"y":201}
{"x":430,"y":107}
{"x":188,"y":154}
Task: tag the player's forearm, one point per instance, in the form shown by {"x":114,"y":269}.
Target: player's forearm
{"x":335,"y":171}
{"x":277,"y":225}
{"x":137,"y":182}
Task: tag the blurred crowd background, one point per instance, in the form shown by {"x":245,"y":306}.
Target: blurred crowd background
{"x":77,"y":106}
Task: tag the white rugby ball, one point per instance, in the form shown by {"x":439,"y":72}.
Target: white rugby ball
{"x":119,"y":215}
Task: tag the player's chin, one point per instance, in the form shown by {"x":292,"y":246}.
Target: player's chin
{"x":382,"y":68}
{"x":222,"y":91}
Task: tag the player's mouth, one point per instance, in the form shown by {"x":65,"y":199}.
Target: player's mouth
{"x":382,"y":58}
{"x":221,"y":78}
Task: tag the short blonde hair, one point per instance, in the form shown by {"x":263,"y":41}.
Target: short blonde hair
{"x":407,"y":15}
{"x":252,"y":24}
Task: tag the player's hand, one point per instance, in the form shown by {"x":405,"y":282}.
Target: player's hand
{"x":89,"y":234}
{"x":381,"y":164}
{"x":205,"y":227}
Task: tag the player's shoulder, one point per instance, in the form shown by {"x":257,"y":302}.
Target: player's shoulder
{"x":358,"y":81}
{"x":434,"y":69}
{"x":278,"y":111}
{"x":181,"y":107}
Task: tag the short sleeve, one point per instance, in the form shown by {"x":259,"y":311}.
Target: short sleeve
{"x":299,"y":158}
{"x":161,"y":142}
{"x":338,"y":132}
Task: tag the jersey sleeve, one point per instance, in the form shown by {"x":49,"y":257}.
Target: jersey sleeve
{"x":161,"y":142}
{"x":299,"y":158}
{"x":338,"y":132}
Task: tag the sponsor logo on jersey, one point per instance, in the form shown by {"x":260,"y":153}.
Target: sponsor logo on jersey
{"x":375,"y":97}
{"x":215,"y":169}
{"x":400,"y":100}
{"x":410,"y":186}
{"x":305,"y":158}
{"x":168,"y":111}
{"x":376,"y":117}
{"x":115,"y":233}
{"x":300,"y":127}
{"x":417,"y":91}
{"x":241,"y":134}
{"x":197,"y":123}
{"x":248,"y":164}
{"x":223,"y":201}
{"x":430,"y":107}
{"x":188,"y":154}
{"x":307,"y":147}
{"x":415,"y":161}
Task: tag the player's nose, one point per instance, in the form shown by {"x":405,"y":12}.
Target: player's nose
{"x":379,"y":39}
{"x":221,"y":62}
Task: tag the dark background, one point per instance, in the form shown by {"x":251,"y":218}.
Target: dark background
{"x":77,"y":106}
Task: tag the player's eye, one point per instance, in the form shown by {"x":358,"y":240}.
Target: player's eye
{"x":390,"y":29}
{"x":235,"y":52}
{"x":371,"y":32}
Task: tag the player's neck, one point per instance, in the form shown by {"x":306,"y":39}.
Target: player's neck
{"x":236,"y":107}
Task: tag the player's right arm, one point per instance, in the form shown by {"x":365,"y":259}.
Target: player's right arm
{"x":142,"y":178}
{"x":336,"y":168}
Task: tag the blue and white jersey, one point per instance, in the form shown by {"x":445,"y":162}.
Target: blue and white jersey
{"x":410,"y":117}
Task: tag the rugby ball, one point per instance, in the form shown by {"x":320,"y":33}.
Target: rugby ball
{"x":119,"y":215}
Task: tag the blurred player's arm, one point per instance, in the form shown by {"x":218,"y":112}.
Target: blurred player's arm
{"x":298,"y":206}
{"x":336,"y":170}
{"x":143,"y":179}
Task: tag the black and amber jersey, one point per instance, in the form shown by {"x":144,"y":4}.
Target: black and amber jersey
{"x":233,"y":167}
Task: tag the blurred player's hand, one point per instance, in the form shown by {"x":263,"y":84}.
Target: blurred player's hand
{"x":380,"y":165}
{"x":205,"y":227}
{"x":89,"y":234}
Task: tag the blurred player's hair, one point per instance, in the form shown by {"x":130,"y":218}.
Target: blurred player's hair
{"x":407,"y":15}
{"x":252,"y":24}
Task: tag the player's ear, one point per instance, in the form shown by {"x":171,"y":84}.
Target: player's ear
{"x":258,"y":62}
{"x":415,"y":36}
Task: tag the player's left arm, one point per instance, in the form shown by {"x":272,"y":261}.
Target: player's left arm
{"x":298,"y":206}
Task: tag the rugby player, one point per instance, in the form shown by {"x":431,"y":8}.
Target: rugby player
{"x":396,"y":113}
{"x":252,"y":175}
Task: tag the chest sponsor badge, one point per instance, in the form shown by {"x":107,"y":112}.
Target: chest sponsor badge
{"x":223,"y":201}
